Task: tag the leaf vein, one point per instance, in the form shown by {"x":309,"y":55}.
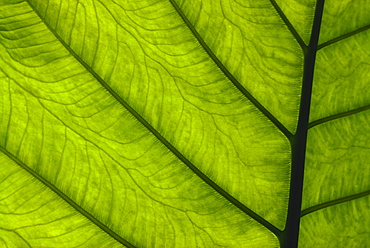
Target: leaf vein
{"x":289,"y":25}
{"x":337,"y":116}
{"x":334,"y":202}
{"x":66,"y":198}
{"x":226,"y":72}
{"x":344,"y":36}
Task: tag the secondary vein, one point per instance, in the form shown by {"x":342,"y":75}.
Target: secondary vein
{"x":340,"y":115}
{"x":334,"y":202}
{"x":344,"y":36}
{"x":67,"y":199}
{"x":289,"y":25}
{"x":226,"y":72}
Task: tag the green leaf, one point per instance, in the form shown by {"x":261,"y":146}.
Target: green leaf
{"x":173,"y":123}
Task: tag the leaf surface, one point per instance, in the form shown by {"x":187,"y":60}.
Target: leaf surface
{"x":178,"y":123}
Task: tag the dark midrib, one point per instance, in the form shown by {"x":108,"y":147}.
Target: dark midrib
{"x":290,"y":234}
{"x":226,"y":72}
{"x":334,"y":202}
{"x":342,"y":37}
{"x":181,"y":157}
{"x":289,"y":25}
{"x":340,"y":115}
{"x":67,"y":199}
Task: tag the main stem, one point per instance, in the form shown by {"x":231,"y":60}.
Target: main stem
{"x":289,"y":238}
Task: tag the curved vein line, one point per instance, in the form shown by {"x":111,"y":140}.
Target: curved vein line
{"x":334,"y":202}
{"x":289,"y":25}
{"x":67,"y":199}
{"x":336,"y":116}
{"x":166,"y":143}
{"x":226,"y":72}
{"x":342,"y":37}
{"x":16,"y":233}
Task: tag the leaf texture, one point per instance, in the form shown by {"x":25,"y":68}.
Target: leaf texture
{"x":175,"y":123}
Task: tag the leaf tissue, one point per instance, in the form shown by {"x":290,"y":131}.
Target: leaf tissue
{"x":173,"y":123}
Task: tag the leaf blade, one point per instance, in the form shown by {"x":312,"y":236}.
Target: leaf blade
{"x":184,"y":97}
{"x":58,"y":112}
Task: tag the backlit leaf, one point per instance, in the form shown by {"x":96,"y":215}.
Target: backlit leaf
{"x":172,"y":123}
